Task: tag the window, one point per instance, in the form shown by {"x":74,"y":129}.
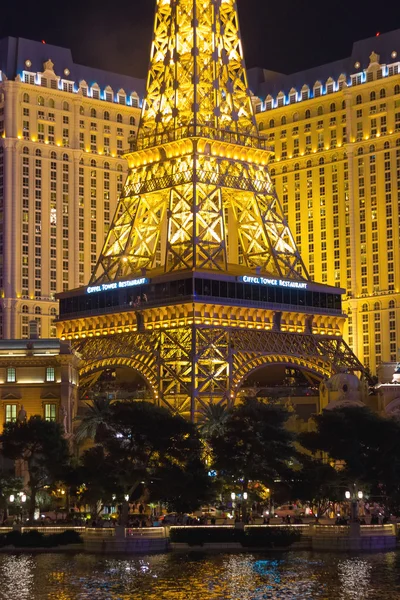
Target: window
{"x":11,"y":375}
{"x":11,"y":413}
{"x":50,"y":412}
{"x":50,"y":374}
{"x":119,"y":118}
{"x":40,"y":101}
{"x":106,"y":115}
{"x":93,"y":113}
{"x":65,"y":106}
{"x":132,"y":121}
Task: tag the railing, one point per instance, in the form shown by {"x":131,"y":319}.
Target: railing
{"x":344,"y":530}
{"x":146,"y":532}
{"x":201,"y":176}
{"x":53,"y":529}
{"x":102,"y":532}
{"x":368,"y":530}
{"x":208,"y":131}
{"x":299,"y":527}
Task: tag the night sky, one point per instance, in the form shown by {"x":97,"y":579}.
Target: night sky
{"x":281,"y":35}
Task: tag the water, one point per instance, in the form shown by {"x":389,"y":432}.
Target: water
{"x":291,"y":576}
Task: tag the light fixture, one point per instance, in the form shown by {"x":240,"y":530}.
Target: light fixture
{"x":360,"y":495}
{"x":394,"y":54}
{"x":127,"y":497}
{"x":23,"y":498}
{"x":66,"y":72}
{"x":233,"y":495}
{"x":12,"y":497}
{"x":357,"y":65}
{"x":28,"y":63}
{"x":348,"y":495}
{"x":245,"y":496}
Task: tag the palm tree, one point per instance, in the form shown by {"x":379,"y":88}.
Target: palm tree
{"x":94,"y":419}
{"x":213,"y":419}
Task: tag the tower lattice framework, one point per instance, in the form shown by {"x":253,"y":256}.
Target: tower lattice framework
{"x":199,"y":167}
{"x":198,"y":212}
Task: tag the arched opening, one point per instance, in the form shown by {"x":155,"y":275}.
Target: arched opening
{"x":276,"y":380}
{"x":285,"y":382}
{"x":121,"y":382}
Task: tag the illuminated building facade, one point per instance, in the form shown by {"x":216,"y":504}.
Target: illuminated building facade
{"x":38,"y":377}
{"x":63,"y":128}
{"x":200,"y":281}
{"x":335,"y":131}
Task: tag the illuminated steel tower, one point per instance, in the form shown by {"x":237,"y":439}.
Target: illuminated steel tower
{"x":200,"y":281}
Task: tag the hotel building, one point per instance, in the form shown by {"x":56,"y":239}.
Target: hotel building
{"x":63,"y":130}
{"x":335,"y":132}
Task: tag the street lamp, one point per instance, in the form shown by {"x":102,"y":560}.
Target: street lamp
{"x":233,"y":497}
{"x":244,"y":508}
{"x":19,"y":499}
{"x":355,"y":496}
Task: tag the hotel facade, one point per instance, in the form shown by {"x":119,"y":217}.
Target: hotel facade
{"x":63,"y":130}
{"x":335,"y":132}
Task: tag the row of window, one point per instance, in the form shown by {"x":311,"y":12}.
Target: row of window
{"x":11,"y":412}
{"x":92,"y":112}
{"x":11,"y":375}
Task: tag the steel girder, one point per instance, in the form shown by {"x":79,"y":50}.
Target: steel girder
{"x":188,"y":367}
{"x":198,"y":153}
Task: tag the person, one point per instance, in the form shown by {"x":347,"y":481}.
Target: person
{"x":288,"y":519}
{"x":266,"y":520}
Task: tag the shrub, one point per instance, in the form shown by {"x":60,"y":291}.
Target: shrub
{"x":258,"y":537}
{"x":36,"y":539}
{"x":197,"y":536}
{"x":269,"y":537}
{"x":69,"y":536}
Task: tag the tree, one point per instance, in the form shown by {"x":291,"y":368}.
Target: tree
{"x":183,"y":489}
{"x":147,"y":447}
{"x":94,"y":420}
{"x":43,"y":448}
{"x":94,"y":482}
{"x":254,"y":446}
{"x":213,"y":419}
{"x":318,"y":483}
{"x":9,"y":484}
{"x":365,"y":445}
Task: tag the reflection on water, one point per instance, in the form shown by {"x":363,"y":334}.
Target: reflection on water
{"x":291,"y":576}
{"x":355,"y":576}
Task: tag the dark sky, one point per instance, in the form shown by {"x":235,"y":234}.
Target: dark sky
{"x":282,"y":35}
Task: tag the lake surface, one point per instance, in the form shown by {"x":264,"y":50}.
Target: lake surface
{"x":291,"y":576}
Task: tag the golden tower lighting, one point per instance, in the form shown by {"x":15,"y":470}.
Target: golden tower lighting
{"x":199,"y":281}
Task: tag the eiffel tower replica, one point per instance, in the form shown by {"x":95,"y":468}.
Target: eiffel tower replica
{"x":199,"y":282}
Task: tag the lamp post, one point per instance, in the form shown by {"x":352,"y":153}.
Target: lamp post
{"x":244,"y":508}
{"x":19,"y":500}
{"x":354,"y":497}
